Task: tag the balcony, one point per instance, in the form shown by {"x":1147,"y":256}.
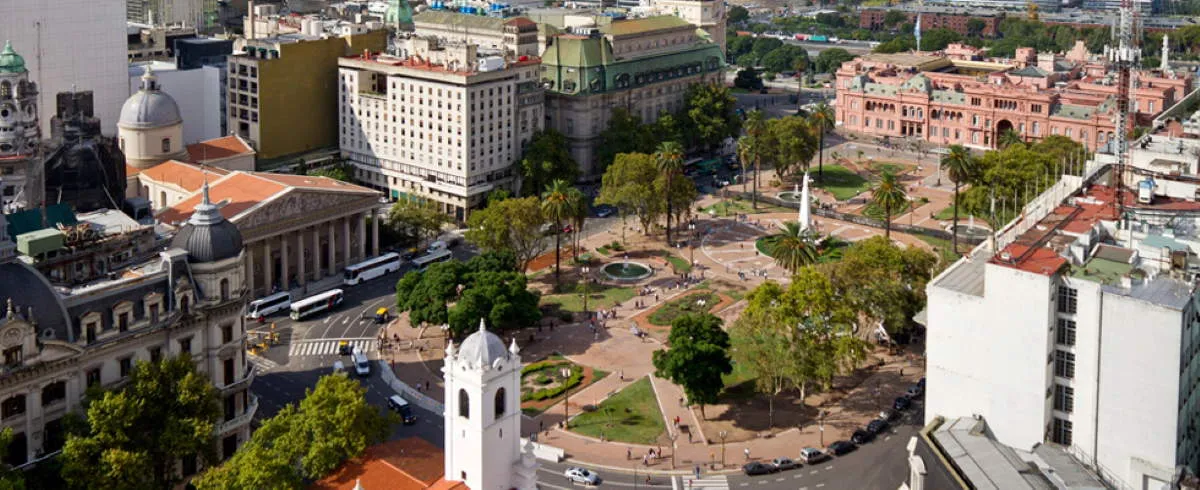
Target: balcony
{"x":239,"y":384}
{"x":241,"y":420}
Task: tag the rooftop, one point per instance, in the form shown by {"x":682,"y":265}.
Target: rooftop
{"x":1103,"y":270}
{"x":644,"y":24}
{"x":219,"y":148}
{"x":240,"y":191}
{"x":406,"y":464}
{"x":186,"y":176}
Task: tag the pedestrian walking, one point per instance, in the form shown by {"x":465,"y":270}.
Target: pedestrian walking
{"x":747,"y":451}
{"x":628,"y":454}
{"x":645,"y":460}
{"x":697,"y":472}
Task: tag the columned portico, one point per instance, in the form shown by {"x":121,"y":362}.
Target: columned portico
{"x":375,"y":232}
{"x":268,"y":276}
{"x":360,"y":222}
{"x":285,"y":262}
{"x":316,"y":253}
{"x":300,"y":276}
{"x":345,"y":241}
{"x":332,"y":248}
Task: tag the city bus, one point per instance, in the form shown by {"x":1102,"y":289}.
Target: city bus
{"x":316,"y":304}
{"x":420,"y":263}
{"x":370,"y":269}
{"x":263,"y":307}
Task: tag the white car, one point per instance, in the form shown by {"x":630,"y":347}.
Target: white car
{"x":581,"y":475}
{"x":811,"y":455}
{"x":362,"y":365}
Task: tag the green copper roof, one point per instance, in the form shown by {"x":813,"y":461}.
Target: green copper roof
{"x":949,"y":97}
{"x":644,"y":24}
{"x":576,"y":65}
{"x":399,"y":13}
{"x":1073,"y":111}
{"x":10,"y":61}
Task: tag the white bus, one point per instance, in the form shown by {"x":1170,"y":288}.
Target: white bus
{"x":269,"y":305}
{"x":370,"y":269}
{"x":316,"y":304}
{"x":420,"y":263}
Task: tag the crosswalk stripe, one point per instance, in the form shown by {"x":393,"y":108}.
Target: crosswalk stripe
{"x":326,"y":347}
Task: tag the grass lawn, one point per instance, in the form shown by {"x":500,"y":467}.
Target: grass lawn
{"x":599,"y":296}
{"x":947,"y":214}
{"x":677,"y":307}
{"x":680,"y":264}
{"x":738,"y":206}
{"x":631,"y":415}
{"x":894,"y":168}
{"x":739,"y":384}
{"x":843,"y":183}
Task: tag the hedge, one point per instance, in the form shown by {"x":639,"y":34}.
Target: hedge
{"x":571,"y":382}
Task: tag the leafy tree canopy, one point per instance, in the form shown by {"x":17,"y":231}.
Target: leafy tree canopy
{"x":711,"y":114}
{"x":697,"y":358}
{"x":831,"y":59}
{"x":546,"y":159}
{"x":628,"y":185}
{"x":512,"y":226}
{"x":416,"y":220}
{"x":491,"y":288}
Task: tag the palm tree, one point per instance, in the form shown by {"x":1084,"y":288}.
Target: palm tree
{"x":822,"y":120}
{"x":960,"y":166}
{"x":756,"y":125}
{"x":670,"y":162}
{"x":1010,"y":137}
{"x":791,"y":248}
{"x":579,"y":214}
{"x":556,"y":204}
{"x":888,"y":194}
{"x":800,"y":64}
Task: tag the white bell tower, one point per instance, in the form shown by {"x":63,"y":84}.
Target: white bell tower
{"x":483,"y":415}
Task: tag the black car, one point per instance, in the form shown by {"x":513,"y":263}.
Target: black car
{"x":889,"y":415}
{"x":862,"y":436}
{"x":902,"y":403}
{"x":841,"y":447}
{"x":876,"y":426}
{"x":757,"y":468}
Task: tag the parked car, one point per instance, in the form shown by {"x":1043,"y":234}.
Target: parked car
{"x":581,"y":475}
{"x":862,"y":436}
{"x":890,"y":415}
{"x":784,"y":464}
{"x":841,"y":447}
{"x":876,"y":426}
{"x":902,"y":403}
{"x":401,"y":406}
{"x":604,"y":211}
{"x":756,"y":468}
{"x":810,"y":455}
{"x":915,"y":391}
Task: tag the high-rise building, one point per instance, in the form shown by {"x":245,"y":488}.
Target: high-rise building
{"x":71,"y":45}
{"x":21,"y":178}
{"x":283,"y":91}
{"x":1076,"y":328}
{"x":446,"y":123}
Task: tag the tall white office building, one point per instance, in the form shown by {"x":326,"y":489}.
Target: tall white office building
{"x":440,"y":123}
{"x":71,"y":44}
{"x":1078,"y":330}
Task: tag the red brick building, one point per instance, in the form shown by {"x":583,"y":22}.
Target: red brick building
{"x":873,"y":19}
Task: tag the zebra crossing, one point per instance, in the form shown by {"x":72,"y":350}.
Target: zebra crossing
{"x":324,"y":347}
{"x":708,"y":482}
{"x":261,"y":363}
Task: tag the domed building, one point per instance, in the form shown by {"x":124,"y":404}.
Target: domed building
{"x":150,"y":130}
{"x":20,"y":175}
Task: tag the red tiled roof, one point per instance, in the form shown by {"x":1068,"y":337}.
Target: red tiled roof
{"x":1041,"y":261}
{"x":406,"y":464}
{"x":185,"y":175}
{"x":235,"y":193}
{"x":216,"y":149}
{"x":131,"y":170}
{"x":312,"y":182}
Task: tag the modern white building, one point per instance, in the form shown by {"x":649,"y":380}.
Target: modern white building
{"x":442,"y":123}
{"x":1068,"y":329}
{"x":198,"y":93}
{"x":71,"y":44}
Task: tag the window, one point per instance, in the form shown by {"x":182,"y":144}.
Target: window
{"x":227,"y":364}
{"x":166,"y":145}
{"x":155,"y":354}
{"x":1064,"y":364}
{"x":1066,"y":332}
{"x":90,"y":331}
{"x":1064,"y":398}
{"x":1068,"y":299}
{"x":123,"y":321}
{"x":226,"y":334}
{"x":464,"y":404}
{"x":154,"y":313}
{"x":1061,"y":434}
{"x":185,"y":304}
{"x":224,"y":289}
{"x":54,"y":392}
{"x":500,"y":402}
{"x":12,"y":406}
{"x":13,"y":356}
{"x":185,"y":345}
{"x":126,"y":366}
{"x":93,"y":377}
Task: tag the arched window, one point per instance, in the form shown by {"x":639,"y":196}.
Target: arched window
{"x":224,"y":289}
{"x":185,"y":304}
{"x":464,"y":404}
{"x":500,"y":402}
{"x":166,"y":145}
{"x":5,"y":90}
{"x":162,"y":199}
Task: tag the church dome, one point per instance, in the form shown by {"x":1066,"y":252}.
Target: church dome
{"x":482,"y":348}
{"x":10,"y":61}
{"x":149,"y":107}
{"x":208,"y":236}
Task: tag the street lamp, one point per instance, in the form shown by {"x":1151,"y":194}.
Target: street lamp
{"x":566,"y":374}
{"x":723,"y":434}
{"x":673,"y":436}
{"x":586,"y":270}
{"x":821,"y":426}
{"x":692,"y":242}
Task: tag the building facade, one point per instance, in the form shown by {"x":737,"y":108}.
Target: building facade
{"x":706,"y":14}
{"x":199,"y":93}
{"x":441,"y":123}
{"x":186,"y":300}
{"x":956,"y":97}
{"x":643,"y":65}
{"x":21,"y":177}
{"x":957,"y":20}
{"x":516,"y":35}
{"x":1092,"y":331}
{"x":283,"y":91}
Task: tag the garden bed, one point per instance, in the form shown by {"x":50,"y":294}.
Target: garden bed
{"x":666,"y":313}
{"x":542,"y":383}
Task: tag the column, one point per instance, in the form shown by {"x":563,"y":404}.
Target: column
{"x":250,"y":270}
{"x":375,"y":233}
{"x":286,"y":267}
{"x":360,"y":222}
{"x":345,"y":240}
{"x":268,"y":276}
{"x":316,"y":253}
{"x":332,"y":255}
{"x":300,"y":257}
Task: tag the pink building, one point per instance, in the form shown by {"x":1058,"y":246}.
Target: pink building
{"x":957,"y":96}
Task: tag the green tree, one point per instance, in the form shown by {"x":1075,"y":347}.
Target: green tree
{"x":624,"y":134}
{"x":669,"y":159}
{"x":896,"y":45}
{"x":822,"y":120}
{"x":937,"y":39}
{"x":697,"y":358}
{"x":737,"y":13}
{"x":959,"y":166}
{"x":766,"y":346}
{"x":513,"y":225}
{"x":628,"y":185}
{"x":501,"y":298}
{"x":339,"y":171}
{"x":578,"y":217}
{"x":424,"y":294}
{"x":680,"y":195}
{"x":737,"y":46}
{"x":711,"y":114}
{"x":792,"y":143}
{"x":783,"y":58}
{"x":332,"y":424}
{"x":882,"y":282}
{"x":764,"y":45}
{"x":557,"y":208}
{"x":134,"y":436}
{"x":1009,"y":137}
{"x":894,"y":17}
{"x":792,"y":248}
{"x":10,"y":479}
{"x":753,"y":146}
{"x":831,"y":59}
{"x":975,"y":27}
{"x":416,"y":220}
{"x":545,"y":160}
{"x":889,"y":195}
{"x":747,"y":78}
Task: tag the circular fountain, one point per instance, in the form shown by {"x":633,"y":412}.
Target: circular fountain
{"x":970,"y":230}
{"x":792,"y":196}
{"x":626,"y":271}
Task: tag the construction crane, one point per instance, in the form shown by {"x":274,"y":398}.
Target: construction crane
{"x":1124,"y":56}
